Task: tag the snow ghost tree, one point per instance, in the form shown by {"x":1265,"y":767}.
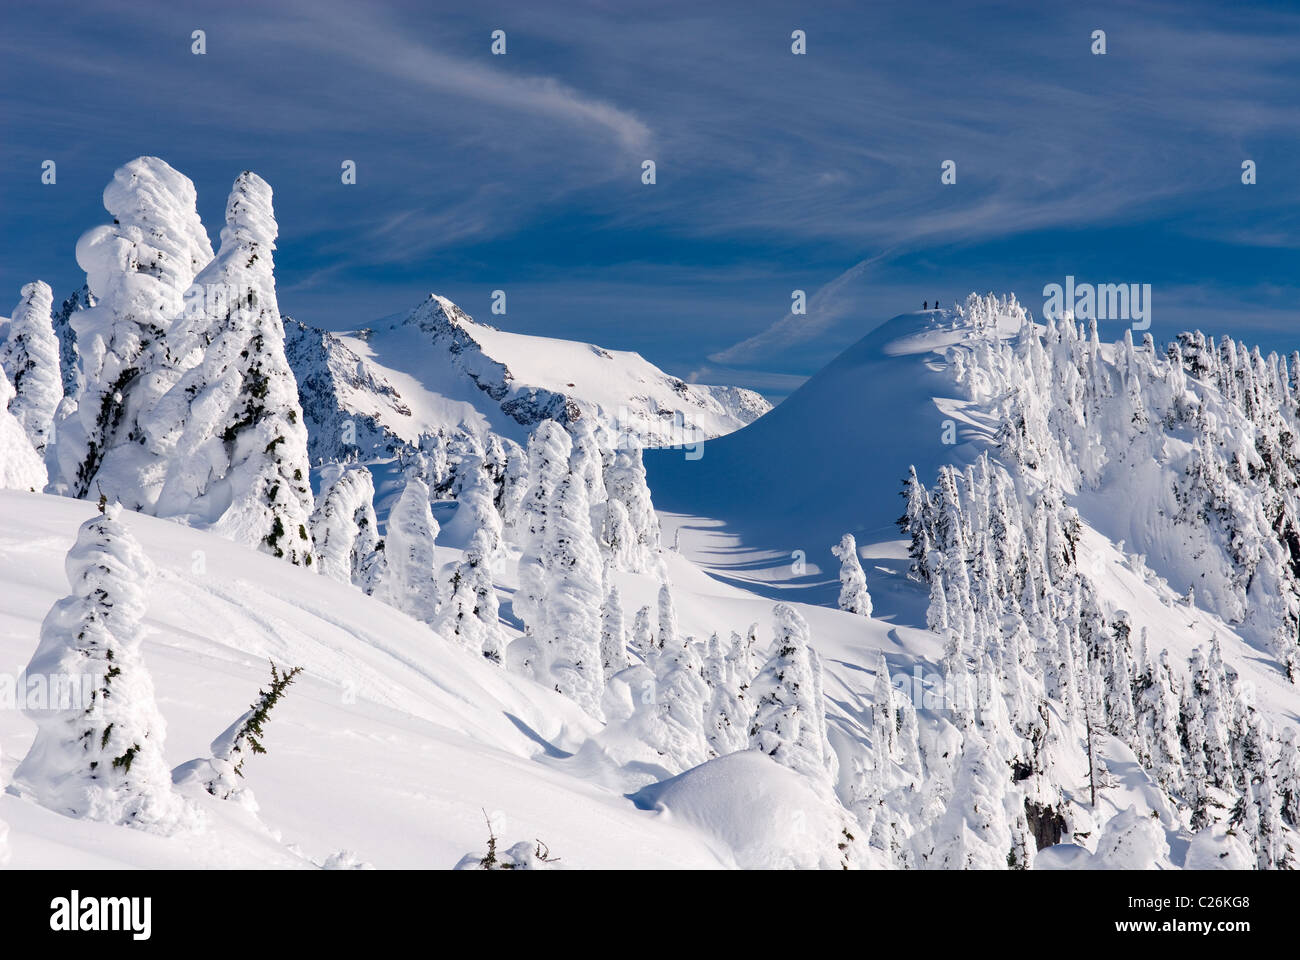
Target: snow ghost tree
{"x":343,"y":528}
{"x":643,"y":635}
{"x":976,"y":831}
{"x":549,"y":451}
{"x":138,"y":270}
{"x":20,"y":465}
{"x":409,"y":583}
{"x":232,"y":426}
{"x":569,"y":632}
{"x":471,"y":611}
{"x":853,"y":583}
{"x":98,"y":751}
{"x":789,"y":722}
{"x":726,"y":723}
{"x":29,"y":356}
{"x":635,"y":526}
{"x":613,"y":638}
{"x":675,"y":723}
{"x":667,"y":636}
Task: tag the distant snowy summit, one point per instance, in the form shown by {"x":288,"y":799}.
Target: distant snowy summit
{"x":435,"y":372}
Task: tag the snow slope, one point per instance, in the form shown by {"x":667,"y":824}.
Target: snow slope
{"x":388,"y":746}
{"x":395,"y":742}
{"x":830,"y":459}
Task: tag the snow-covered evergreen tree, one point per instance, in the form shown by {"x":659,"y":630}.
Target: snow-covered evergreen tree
{"x":625,"y":483}
{"x":29,"y":356}
{"x":98,"y":753}
{"x":568,"y":634}
{"x":232,"y":427}
{"x":726,"y":723}
{"x":676,"y":719}
{"x":666,"y":638}
{"x":344,"y":527}
{"x":976,"y":832}
{"x":549,"y":452}
{"x":1157,"y":719}
{"x":884,"y":715}
{"x":1131,"y":841}
{"x":643,"y":635}
{"x":20,"y":465}
{"x":138,"y":270}
{"x":789,"y":722}
{"x":613,"y":636}
{"x":1288,"y":776}
{"x":853,"y":582}
{"x":409,"y":568}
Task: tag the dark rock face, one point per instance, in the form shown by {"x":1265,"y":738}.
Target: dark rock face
{"x":1045,"y":824}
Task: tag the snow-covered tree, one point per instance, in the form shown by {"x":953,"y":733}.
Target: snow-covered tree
{"x":1131,"y":841}
{"x":470,"y":610}
{"x":98,"y":751}
{"x":853,"y":583}
{"x":884,"y":715}
{"x":1288,"y":777}
{"x":789,"y":722}
{"x":409,"y":568}
{"x":138,"y":270}
{"x":917,"y":522}
{"x":613,"y":636}
{"x":232,"y":427}
{"x":549,"y":451}
{"x":1157,"y":719}
{"x":676,"y":719}
{"x":726,"y":723}
{"x":625,"y":483}
{"x":666,"y":638}
{"x":222,"y":773}
{"x":977,"y":831}
{"x":568,"y":634}
{"x":344,"y":528}
{"x":20,"y":465}
{"x":29,"y":356}
{"x":643,"y":635}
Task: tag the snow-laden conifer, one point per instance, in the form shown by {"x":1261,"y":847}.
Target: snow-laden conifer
{"x":613,"y":633}
{"x":854,"y":597}
{"x":29,"y":356}
{"x":625,"y":482}
{"x":789,"y":722}
{"x":21,"y":467}
{"x":344,"y":527}
{"x":409,"y":582}
{"x":568,"y":632}
{"x":138,"y":269}
{"x":232,"y":427}
{"x":98,"y":751}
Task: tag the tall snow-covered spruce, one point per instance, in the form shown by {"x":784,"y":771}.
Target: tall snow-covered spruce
{"x":29,"y":356}
{"x":138,"y":269}
{"x":409,"y":582}
{"x":98,"y":751}
{"x":789,"y":722}
{"x":344,"y":528}
{"x":569,"y":632}
{"x":20,"y":465}
{"x":854,"y":597}
{"x":232,"y":426}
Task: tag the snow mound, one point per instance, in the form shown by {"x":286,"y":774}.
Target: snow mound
{"x":762,"y":815}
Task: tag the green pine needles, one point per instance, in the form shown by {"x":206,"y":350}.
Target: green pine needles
{"x":251,"y":732}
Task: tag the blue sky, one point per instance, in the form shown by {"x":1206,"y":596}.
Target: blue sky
{"x":774,"y":172}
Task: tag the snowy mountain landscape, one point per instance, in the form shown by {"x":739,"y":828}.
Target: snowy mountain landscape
{"x":986,"y":592}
